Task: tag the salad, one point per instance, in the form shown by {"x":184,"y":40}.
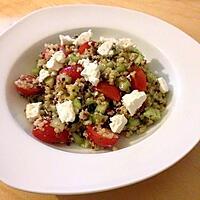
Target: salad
{"x":92,"y":93}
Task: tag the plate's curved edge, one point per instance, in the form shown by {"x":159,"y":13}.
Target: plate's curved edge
{"x":89,"y":191}
{"x":37,"y":11}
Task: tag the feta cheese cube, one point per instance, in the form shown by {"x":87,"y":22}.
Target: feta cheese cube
{"x":56,"y":61}
{"x":105,"y":48}
{"x":43,"y":74}
{"x":65,"y":111}
{"x":59,"y":56}
{"x":117,"y":123}
{"x":91,"y":71}
{"x":33,"y":110}
{"x":163,"y":85}
{"x":133,"y":101}
{"x":125,"y":42}
{"x":53,"y":64}
{"x":83,"y":37}
{"x":66,"y":39}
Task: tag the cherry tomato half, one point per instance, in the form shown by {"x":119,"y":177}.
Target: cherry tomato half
{"x":85,"y":46}
{"x":71,"y":71}
{"x":107,"y":139}
{"x":27,"y":85}
{"x":138,"y":80}
{"x":110,"y":91}
{"x":48,"y":135}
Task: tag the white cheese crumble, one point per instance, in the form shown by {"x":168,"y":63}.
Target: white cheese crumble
{"x":59,"y":56}
{"x":91,"y":71}
{"x":33,"y":110}
{"x":43,"y":74}
{"x":105,"y":48}
{"x":66,"y":39}
{"x":133,"y":101}
{"x":65,"y":111}
{"x":121,"y":42}
{"x":125,"y":42}
{"x":83,"y":37}
{"x":117,"y":123}
{"x":163,"y":85}
{"x":53,"y":64}
{"x":56,"y":61}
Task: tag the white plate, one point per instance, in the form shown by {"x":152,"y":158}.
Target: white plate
{"x":33,"y":166}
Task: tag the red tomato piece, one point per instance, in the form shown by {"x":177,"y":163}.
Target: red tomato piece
{"x":110,"y":91}
{"x":83,"y":47}
{"x":107,"y":139}
{"x":138,"y":80}
{"x":71,"y":71}
{"x":27,"y":85}
{"x":48,"y":135}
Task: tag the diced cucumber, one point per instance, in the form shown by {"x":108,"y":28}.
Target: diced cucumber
{"x":36,"y":70}
{"x":102,"y":67}
{"x":135,"y":50}
{"x":73,"y":58}
{"x":151,"y":77}
{"x":139,"y":59}
{"x":124,"y":85}
{"x":77,"y":105}
{"x":78,"y":139}
{"x":97,"y":118}
{"x":120,"y":67}
{"x":86,"y":144}
{"x":101,"y":108}
{"x":133,"y":123}
{"x":110,"y":64}
{"x":89,"y":101}
{"x":153,"y":114}
{"x":50,"y":81}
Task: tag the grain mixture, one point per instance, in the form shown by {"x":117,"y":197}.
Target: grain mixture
{"x":91,"y":92}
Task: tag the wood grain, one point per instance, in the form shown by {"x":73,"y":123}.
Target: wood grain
{"x":180,"y":182}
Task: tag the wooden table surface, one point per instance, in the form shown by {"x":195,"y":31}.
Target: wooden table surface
{"x":180,"y":182}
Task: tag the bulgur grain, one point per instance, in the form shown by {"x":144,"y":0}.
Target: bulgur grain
{"x":91,"y":106}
